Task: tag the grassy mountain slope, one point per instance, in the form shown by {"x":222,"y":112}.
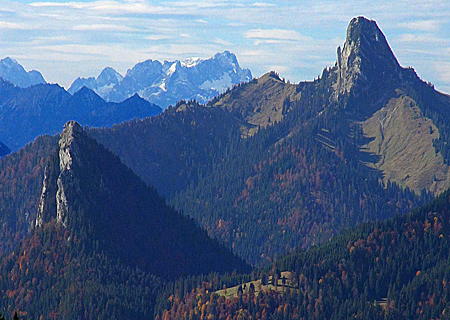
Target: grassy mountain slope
{"x":260,"y":103}
{"x":403,"y":138}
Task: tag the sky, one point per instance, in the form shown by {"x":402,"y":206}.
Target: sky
{"x":298,"y":39}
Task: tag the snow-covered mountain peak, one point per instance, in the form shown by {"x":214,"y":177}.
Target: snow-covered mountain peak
{"x":168,"y":82}
{"x":190,"y":62}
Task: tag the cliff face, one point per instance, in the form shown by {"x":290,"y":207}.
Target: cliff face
{"x":59,"y":177}
{"x":365,"y":59}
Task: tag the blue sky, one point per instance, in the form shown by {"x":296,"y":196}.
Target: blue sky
{"x":67,"y":39}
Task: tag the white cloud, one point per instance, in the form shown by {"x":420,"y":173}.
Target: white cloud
{"x":14,"y":26}
{"x":104,"y":27}
{"x":424,"y":25}
{"x":222,"y":42}
{"x":108,"y":7}
{"x":156,"y":37}
{"x":274,"y":34}
{"x":185,"y":35}
{"x":263,"y":5}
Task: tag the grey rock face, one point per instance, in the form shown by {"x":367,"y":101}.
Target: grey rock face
{"x":366,"y":57}
{"x":56,"y":195}
{"x":168,"y":82}
{"x":12,"y":71}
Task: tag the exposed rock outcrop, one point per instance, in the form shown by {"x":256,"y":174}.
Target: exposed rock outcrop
{"x":59,"y":177}
{"x":366,"y":58}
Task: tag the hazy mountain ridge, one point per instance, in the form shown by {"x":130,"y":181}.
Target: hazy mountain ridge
{"x":12,"y":71}
{"x":166,"y":83}
{"x":26,"y":113}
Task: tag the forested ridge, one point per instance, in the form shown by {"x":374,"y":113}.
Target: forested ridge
{"x":104,"y":242}
{"x":394,"y":269}
{"x":296,"y":183}
{"x":169,"y":151}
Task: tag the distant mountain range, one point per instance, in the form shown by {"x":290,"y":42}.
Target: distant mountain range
{"x":168,"y":82}
{"x":12,"y":71}
{"x":34,"y":107}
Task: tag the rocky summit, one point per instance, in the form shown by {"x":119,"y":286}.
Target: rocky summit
{"x":365,"y":57}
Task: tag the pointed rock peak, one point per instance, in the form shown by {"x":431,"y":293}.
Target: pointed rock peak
{"x":58,"y":178}
{"x":71,"y":127}
{"x":364,"y":36}
{"x":62,"y":174}
{"x":72,"y":131}
{"x":109,"y":76}
{"x":366,"y":57}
